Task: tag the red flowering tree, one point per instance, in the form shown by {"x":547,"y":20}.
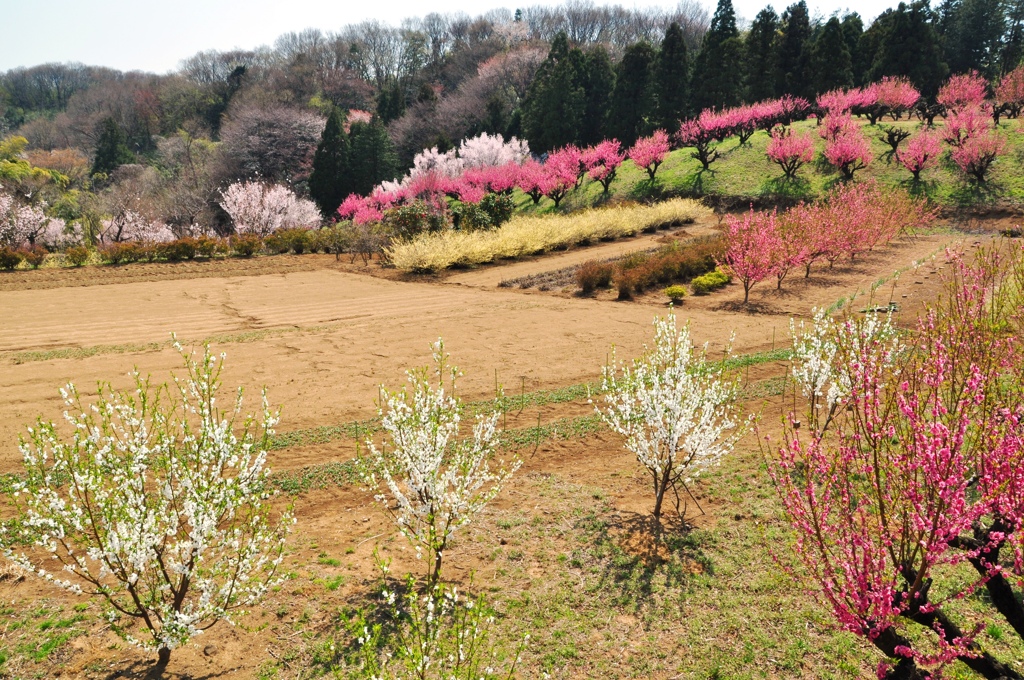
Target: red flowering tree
{"x":649,"y":152}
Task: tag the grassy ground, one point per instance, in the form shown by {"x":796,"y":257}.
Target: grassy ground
{"x":744,"y":173}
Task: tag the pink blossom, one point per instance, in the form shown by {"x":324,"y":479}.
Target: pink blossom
{"x":649,"y":152}
{"x":752,"y":247}
{"x":977,"y":154}
{"x":921,"y":151}
{"x":848,"y":152}
{"x":602,"y":161}
{"x":966,"y":90}
{"x":790,"y":150}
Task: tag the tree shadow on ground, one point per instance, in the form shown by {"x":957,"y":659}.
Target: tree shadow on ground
{"x":749,"y":307}
{"x":786,"y":187}
{"x":641,"y":559}
{"x":149,"y":670}
{"x":647,"y":190}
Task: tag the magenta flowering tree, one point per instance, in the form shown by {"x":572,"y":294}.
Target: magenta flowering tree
{"x":602,"y":162}
{"x":649,"y":152}
{"x":848,"y":153}
{"x":896,"y":96}
{"x":752,"y":248}
{"x":566,"y":165}
{"x":920,"y":152}
{"x":533,"y":179}
{"x":962,"y":124}
{"x":910,"y":462}
{"x":790,"y":150}
{"x":835,"y":125}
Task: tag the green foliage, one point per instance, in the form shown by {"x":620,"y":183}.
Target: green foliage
{"x":671,"y":80}
{"x":830,"y":64}
{"x":791,"y":51}
{"x":598,"y":83}
{"x":33,"y":256}
{"x":555,"y":106}
{"x":908,"y":45}
{"x":111,"y":149}
{"x":470,"y":217}
{"x":329,"y":182}
{"x":405,"y":221}
{"x":498,"y":207}
{"x":372,"y":157}
{"x":179,"y":249}
{"x":706,"y":283}
{"x":675,"y":293}
{"x":632,"y":101}
{"x":758,"y":56}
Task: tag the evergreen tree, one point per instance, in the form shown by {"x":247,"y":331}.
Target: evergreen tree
{"x":792,"y":50}
{"x":1011,"y":52}
{"x":330,"y":182}
{"x":718,"y":70}
{"x":111,"y":148}
{"x":671,"y":80}
{"x":391,"y":102}
{"x":830,"y":66}
{"x":910,"y":47}
{"x":556,"y":101}
{"x":598,"y":84}
{"x":632,"y":104}
{"x":372,"y":157}
{"x":970,"y":31}
{"x":853,"y":29}
{"x":870,"y":43}
{"x":758,"y":50}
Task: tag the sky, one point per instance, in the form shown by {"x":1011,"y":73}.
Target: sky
{"x":155,"y":36}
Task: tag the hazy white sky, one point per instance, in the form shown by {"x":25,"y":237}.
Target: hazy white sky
{"x":155,"y":36}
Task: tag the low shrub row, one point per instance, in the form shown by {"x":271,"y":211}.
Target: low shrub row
{"x":677,"y":262}
{"x":712,"y":281}
{"x":532,"y":235}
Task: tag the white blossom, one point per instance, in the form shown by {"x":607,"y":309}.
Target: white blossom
{"x":258,"y":208}
{"x":673,"y":407}
{"x":156,"y":501}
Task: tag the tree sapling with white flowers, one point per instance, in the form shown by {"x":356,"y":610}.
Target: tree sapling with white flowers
{"x":436,"y":478}
{"x":674,"y":408}
{"x":156,"y":500}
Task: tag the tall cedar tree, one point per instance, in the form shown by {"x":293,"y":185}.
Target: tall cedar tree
{"x":556,"y":101}
{"x":598,"y":84}
{"x":372,"y":157}
{"x":330,"y":181}
{"x":853,"y":29}
{"x":632,"y":105}
{"x":111,"y":148}
{"x":792,"y":51}
{"x":829,"y":65}
{"x":971,"y":32}
{"x":1012,"y":52}
{"x":717,"y":72}
{"x":910,"y":47}
{"x":672,"y":79}
{"x":391,"y":102}
{"x":758,"y":50}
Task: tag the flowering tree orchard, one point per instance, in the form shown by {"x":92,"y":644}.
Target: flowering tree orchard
{"x":673,"y":407}
{"x":437,"y":480}
{"x":157,"y":503}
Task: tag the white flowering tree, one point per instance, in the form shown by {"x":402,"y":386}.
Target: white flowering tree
{"x":157,"y":501}
{"x":22,"y":225}
{"x":430,"y":477}
{"x":828,"y":356}
{"x":674,"y":408}
{"x":261,"y":209}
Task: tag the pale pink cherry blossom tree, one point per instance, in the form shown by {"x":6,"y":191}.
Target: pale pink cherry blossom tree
{"x":752,"y":247}
{"x":258,"y":208}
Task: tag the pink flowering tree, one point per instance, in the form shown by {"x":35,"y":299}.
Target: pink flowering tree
{"x":790,"y":150}
{"x":1010,"y":93}
{"x":533,"y":180}
{"x":565,"y":170}
{"x":752,"y":247}
{"x":258,"y":208}
{"x":896,"y":96}
{"x":602,"y":162}
{"x":977,"y":154}
{"x":649,"y":152}
{"x":848,"y":153}
{"x":921,"y":152}
{"x":962,"y":124}
{"x":910,"y":462}
{"x":701,"y":133}
{"x":27,"y":225}
{"x":835,"y":125}
{"x":967,"y":90}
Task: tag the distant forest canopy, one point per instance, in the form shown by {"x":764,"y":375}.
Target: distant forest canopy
{"x":577,"y":73}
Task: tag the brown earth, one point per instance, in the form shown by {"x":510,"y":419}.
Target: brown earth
{"x":322,"y":338}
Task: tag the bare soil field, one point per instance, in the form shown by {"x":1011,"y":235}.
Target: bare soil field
{"x":560,"y":552}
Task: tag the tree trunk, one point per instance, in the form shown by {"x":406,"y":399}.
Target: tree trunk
{"x":163,"y":657}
